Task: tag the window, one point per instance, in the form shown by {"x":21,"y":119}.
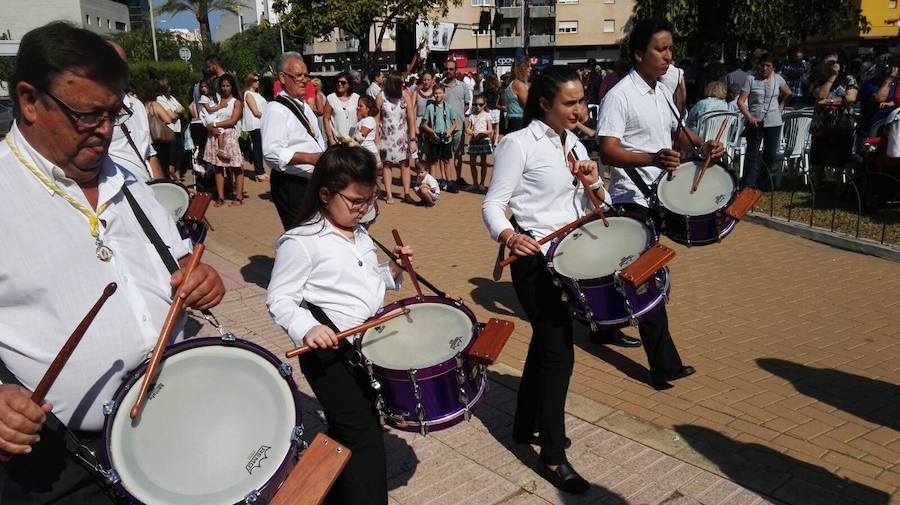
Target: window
{"x":87,"y":19}
{"x":482,"y":3}
{"x":567,"y":1}
{"x":568,"y":27}
{"x":98,"y":21}
{"x":609,"y":1}
{"x":609,"y":25}
{"x":120,"y":26}
{"x":892,"y":4}
{"x":108,"y":24}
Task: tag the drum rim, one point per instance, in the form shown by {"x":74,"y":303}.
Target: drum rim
{"x":197,"y":342}
{"x":657,"y":201}
{"x":433,"y":370}
{"x":654,"y":238}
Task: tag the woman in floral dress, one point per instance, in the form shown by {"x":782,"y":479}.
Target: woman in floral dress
{"x":398,"y":134}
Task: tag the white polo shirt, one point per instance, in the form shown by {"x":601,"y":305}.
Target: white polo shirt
{"x":644,"y":120}
{"x":139,"y":128}
{"x":283,"y":135}
{"x":50,"y":277}
{"x":532,"y":178}
{"x":316,"y":263}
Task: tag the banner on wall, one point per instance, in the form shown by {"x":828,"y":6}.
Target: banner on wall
{"x":437,"y":36}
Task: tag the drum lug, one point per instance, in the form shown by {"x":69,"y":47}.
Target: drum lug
{"x":458,"y":302}
{"x":109,"y":407}
{"x":373,"y":382}
{"x":397,"y":416}
{"x":420,"y":413}
{"x":594,"y":326}
{"x":285,"y":369}
{"x":556,"y":281}
{"x":564,"y":297}
{"x":112,"y":476}
{"x":228,"y":337}
{"x":252,"y":497}
{"x":718,"y":226}
{"x":297,"y":434}
{"x":687,"y":231}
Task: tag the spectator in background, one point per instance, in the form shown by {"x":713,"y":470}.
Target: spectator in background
{"x":175,"y":168}
{"x":316,"y":101}
{"x":715,"y":93}
{"x":376,"y":81}
{"x":232,"y":161}
{"x":439,"y":124}
{"x":515,"y":96}
{"x":254,"y":105}
{"x":424,"y":95}
{"x":739,"y":73}
{"x":611,"y":78}
{"x":478,"y":127}
{"x":591,"y":80}
{"x":876,"y":97}
{"x":398,"y":134}
{"x":356,"y":82}
{"x":760,"y":104}
{"x":834,"y":84}
{"x":731,"y":96}
{"x":365,"y":131}
{"x":492,"y":98}
{"x":795,"y":71}
{"x":159,"y":118}
{"x":339,"y":115}
{"x":455,"y":95}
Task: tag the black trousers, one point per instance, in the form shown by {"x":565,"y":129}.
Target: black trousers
{"x":662,"y":356}
{"x":256,"y":148}
{"x":288,"y":192}
{"x":348,"y":402}
{"x":551,"y":357}
{"x":50,"y":474}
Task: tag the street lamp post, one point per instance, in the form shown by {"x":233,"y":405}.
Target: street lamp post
{"x":153,"y":32}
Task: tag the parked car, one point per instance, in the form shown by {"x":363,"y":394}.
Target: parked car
{"x":6,"y":115}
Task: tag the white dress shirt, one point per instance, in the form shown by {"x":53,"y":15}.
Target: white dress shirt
{"x":283,"y":135}
{"x":643,"y":119}
{"x":139,"y":128}
{"x":672,"y":78}
{"x":50,"y":277}
{"x":373,"y":90}
{"x":532,"y":177}
{"x":316,"y":263}
{"x":171,"y":104}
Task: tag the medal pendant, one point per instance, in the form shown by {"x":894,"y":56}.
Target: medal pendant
{"x":104,"y":253}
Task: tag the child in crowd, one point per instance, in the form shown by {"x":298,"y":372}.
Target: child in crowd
{"x":427,"y":188}
{"x":439,"y":123}
{"x":478,"y":127}
{"x":327,"y":279}
{"x":209,"y":114}
{"x":365,"y":131}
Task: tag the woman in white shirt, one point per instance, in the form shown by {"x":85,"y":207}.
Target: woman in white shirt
{"x":327,"y":279}
{"x":533,"y":176}
{"x":254,"y":105}
{"x":174,"y":167}
{"x":339,"y":116}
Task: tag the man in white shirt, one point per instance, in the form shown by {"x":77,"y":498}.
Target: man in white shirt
{"x":637,"y":125}
{"x":291,"y":140}
{"x":377,"y":81}
{"x":131,"y":147}
{"x":76,"y":231}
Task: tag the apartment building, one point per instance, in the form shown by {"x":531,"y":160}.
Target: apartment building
{"x":101,"y":16}
{"x":252,"y":13}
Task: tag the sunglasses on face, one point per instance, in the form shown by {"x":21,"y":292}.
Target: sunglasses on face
{"x":342,"y":83}
{"x":478,"y":105}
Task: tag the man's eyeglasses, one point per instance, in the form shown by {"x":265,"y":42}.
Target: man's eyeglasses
{"x":358,"y":204}
{"x":295,"y":77}
{"x":88,"y":120}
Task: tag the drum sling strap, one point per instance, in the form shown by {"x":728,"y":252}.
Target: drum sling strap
{"x":639,"y":182}
{"x":292,"y":106}
{"x":136,"y":150}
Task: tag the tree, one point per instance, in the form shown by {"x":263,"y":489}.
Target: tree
{"x":253,"y":50}
{"x":138,"y":46}
{"x":201,"y":9}
{"x":308,"y":19}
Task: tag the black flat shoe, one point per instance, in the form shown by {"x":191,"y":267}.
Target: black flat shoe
{"x":660,"y":380}
{"x":533,"y":439}
{"x":615,"y":337}
{"x":566,"y":479}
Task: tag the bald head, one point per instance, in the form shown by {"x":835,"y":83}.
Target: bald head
{"x":119,"y":50}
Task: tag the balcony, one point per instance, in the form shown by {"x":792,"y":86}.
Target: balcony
{"x":542,"y":11}
{"x":541,"y":40}
{"x":511,"y":12}
{"x":345,"y":46}
{"x":510,"y":42}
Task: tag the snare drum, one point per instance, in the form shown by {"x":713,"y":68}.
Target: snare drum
{"x":221,"y":425}
{"x":426,"y":381}
{"x":173,"y":196}
{"x":696,"y":218}
{"x":586,"y":262}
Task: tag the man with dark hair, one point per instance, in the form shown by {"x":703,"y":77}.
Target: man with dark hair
{"x":637,"y":126}
{"x":376,"y":81}
{"x":77,"y":229}
{"x":291,"y":140}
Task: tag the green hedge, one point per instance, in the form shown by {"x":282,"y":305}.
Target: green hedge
{"x":145,"y":74}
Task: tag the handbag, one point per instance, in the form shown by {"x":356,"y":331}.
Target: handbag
{"x":160,"y":133}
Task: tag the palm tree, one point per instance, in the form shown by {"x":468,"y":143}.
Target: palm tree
{"x":201,"y":9}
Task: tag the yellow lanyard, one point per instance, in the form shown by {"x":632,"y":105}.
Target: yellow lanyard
{"x":103,"y":252}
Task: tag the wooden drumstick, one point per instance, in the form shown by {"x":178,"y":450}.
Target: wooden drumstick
{"x":407,"y":264}
{"x":165,"y":333}
{"x":565,"y":229}
{"x":598,"y":205}
{"x":709,"y":158}
{"x":69,"y":347}
{"x":303,"y":349}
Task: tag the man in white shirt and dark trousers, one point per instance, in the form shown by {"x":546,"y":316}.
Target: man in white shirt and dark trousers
{"x":77,"y":230}
{"x":292,"y":142}
{"x":638,"y":122}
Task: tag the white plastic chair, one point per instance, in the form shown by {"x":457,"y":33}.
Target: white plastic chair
{"x":796,"y":140}
{"x":709,"y":125}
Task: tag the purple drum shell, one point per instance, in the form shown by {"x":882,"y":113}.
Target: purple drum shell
{"x":695,"y":227}
{"x":696,"y":230}
{"x":268,"y":491}
{"x":438,"y":383}
{"x":607,"y":305}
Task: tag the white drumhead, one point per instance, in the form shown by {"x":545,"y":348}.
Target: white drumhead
{"x":174,"y":197}
{"x":712,"y":194}
{"x":370,"y":216}
{"x":593,"y":250}
{"x":217,"y":426}
{"x":430,"y":334}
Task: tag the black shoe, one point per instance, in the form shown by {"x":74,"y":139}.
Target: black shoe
{"x":442,"y":184}
{"x":614,"y":337}
{"x":566,"y":479}
{"x":533,"y":439}
{"x":461,"y":182}
{"x":660,"y":380}
{"x":451,"y":188}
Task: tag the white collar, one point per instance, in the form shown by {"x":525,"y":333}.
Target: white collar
{"x":640,"y":83}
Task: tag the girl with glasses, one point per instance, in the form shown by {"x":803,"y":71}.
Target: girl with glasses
{"x":480,"y":131}
{"x":339,"y":116}
{"x":326,"y":279}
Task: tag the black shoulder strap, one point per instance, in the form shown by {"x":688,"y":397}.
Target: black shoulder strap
{"x":320,"y":316}
{"x":292,"y":106}
{"x":136,"y":151}
{"x":638,"y":181}
{"x":164,"y":253}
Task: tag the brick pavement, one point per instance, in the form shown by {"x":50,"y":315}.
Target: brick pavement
{"x":795,"y":398}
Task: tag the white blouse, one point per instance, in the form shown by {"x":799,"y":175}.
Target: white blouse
{"x":343,"y":114}
{"x":315,"y":263}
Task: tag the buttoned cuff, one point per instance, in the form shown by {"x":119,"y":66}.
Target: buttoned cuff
{"x":300,"y":326}
{"x":391,"y":282}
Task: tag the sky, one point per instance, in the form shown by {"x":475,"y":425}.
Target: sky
{"x":183,"y":20}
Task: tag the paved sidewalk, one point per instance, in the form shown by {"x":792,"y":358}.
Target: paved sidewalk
{"x":795,"y":344}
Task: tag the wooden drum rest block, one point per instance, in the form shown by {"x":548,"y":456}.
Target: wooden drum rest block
{"x":490,"y":341}
{"x":741,"y":205}
{"x":197,"y":209}
{"x":314,"y":475}
{"x":650,"y":262}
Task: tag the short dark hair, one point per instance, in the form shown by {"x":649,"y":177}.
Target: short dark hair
{"x":393,"y":86}
{"x":546,"y":85}
{"x":370,"y":104}
{"x":48,"y":51}
{"x":374,"y":74}
{"x":643,"y":31}
{"x":214,"y":59}
{"x":337,"y":168}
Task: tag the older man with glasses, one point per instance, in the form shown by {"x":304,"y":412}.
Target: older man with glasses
{"x":76,"y":229}
{"x":292,"y":142}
